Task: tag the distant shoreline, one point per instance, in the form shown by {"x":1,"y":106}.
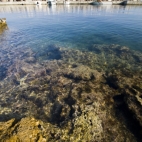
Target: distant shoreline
{"x":62,"y":2}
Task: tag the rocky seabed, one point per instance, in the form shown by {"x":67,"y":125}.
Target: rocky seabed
{"x":68,"y":95}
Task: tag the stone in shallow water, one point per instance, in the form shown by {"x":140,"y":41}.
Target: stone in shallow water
{"x":81,"y":72}
{"x":2,"y":22}
{"x":30,"y":60}
{"x":76,"y":98}
{"x":27,"y":129}
{"x":3,"y":25}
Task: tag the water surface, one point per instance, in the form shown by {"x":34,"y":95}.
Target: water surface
{"x":72,"y":66}
{"x":74,"y":26}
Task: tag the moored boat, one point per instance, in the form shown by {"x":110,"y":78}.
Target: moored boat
{"x":124,"y":2}
{"x":51,"y":2}
{"x":38,"y":2}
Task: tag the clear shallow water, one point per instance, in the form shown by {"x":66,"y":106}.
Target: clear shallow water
{"x":74,"y":26}
{"x":62,"y":85}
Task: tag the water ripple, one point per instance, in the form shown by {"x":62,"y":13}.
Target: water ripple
{"x":75,"y":25}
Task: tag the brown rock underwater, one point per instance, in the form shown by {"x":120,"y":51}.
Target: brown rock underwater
{"x":70,"y":95}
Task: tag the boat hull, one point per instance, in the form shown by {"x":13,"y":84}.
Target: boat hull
{"x":51,"y":2}
{"x":124,"y":2}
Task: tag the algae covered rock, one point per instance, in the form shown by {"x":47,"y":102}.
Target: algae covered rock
{"x":74,"y":96}
{"x":128,"y":102}
{"x":27,"y":129}
{"x":81,"y":72}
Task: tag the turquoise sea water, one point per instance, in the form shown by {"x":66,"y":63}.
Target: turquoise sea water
{"x":73,"y":26}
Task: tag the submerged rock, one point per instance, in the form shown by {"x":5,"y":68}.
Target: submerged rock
{"x":30,"y":60}
{"x":81,"y":72}
{"x":27,"y":129}
{"x":74,"y":96}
